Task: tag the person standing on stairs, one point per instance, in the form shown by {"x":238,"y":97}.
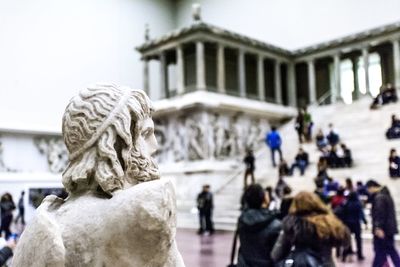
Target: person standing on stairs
{"x":205,"y":206}
{"x":299,"y":125}
{"x":274,"y":141}
{"x":250,"y":167}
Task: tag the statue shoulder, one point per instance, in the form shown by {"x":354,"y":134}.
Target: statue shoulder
{"x":41,"y":243}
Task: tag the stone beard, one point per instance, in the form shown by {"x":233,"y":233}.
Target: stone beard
{"x":118,"y":213}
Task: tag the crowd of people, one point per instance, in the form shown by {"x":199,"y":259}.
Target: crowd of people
{"x":276,"y":228}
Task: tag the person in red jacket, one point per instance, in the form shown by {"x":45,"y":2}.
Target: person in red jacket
{"x":338,"y":199}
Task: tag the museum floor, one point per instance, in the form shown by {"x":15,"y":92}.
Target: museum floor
{"x":214,"y":251}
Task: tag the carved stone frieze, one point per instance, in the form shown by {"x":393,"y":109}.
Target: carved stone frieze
{"x":55,"y":151}
{"x":206,"y":135}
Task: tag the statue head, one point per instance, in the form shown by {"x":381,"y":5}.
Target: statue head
{"x":109,"y":135}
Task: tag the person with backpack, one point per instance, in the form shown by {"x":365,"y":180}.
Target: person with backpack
{"x":274,"y":141}
{"x":205,"y":206}
{"x":310,"y":231}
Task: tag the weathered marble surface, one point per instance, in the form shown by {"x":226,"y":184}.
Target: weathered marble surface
{"x":136,"y":227}
{"x":205,"y":135}
{"x":118,"y":212}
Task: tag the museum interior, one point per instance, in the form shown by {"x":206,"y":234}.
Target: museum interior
{"x":223,"y":132}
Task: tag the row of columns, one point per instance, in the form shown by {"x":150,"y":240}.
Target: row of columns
{"x":221,"y":81}
{"x":335,"y":90}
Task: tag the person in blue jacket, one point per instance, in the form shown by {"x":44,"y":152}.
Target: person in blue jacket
{"x":274,"y":141}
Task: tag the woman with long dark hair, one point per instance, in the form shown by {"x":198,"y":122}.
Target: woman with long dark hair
{"x":312,"y":227}
{"x":6,"y":207}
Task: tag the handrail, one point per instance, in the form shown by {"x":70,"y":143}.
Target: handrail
{"x":239,"y":171}
{"x":323,"y":98}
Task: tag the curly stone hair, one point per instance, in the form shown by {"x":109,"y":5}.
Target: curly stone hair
{"x":100,"y":128}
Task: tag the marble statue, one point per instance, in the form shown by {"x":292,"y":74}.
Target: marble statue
{"x":118,"y":212}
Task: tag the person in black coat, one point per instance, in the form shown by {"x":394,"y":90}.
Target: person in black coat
{"x":7,"y":251}
{"x":286,"y":202}
{"x":6,"y":207}
{"x":384,"y":224}
{"x":394,"y":164}
{"x":352,"y":216}
{"x":205,"y":206}
{"x":332,"y":137}
{"x":258,"y":229}
{"x":300,"y":161}
{"x":346,"y":159}
{"x":250,"y":167}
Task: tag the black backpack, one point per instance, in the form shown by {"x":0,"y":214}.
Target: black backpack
{"x":301,"y":258}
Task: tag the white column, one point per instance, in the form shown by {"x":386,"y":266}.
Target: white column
{"x":365,"y":56}
{"x":163,"y":76}
{"x":221,"y":69}
{"x":336,"y":74}
{"x":356,"y":93}
{"x":396,"y":60}
{"x":200,"y":66}
{"x":291,"y":76}
{"x":277,"y":82}
{"x":312,"y":88}
{"x":146,"y":85}
{"x":180,"y":72}
{"x":260,"y":77}
{"x":242,"y":74}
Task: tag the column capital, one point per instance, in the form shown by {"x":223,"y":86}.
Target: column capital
{"x":310,"y":60}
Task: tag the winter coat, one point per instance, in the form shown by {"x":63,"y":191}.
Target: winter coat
{"x":205,"y":201}
{"x":6,"y":208}
{"x":249,"y":161}
{"x":273,"y":140}
{"x":302,"y":234}
{"x":383,"y":212}
{"x":258,"y":230}
{"x":353,"y":214}
{"x":5,"y":254}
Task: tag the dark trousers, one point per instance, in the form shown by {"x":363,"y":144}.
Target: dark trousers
{"x":384,"y":247}
{"x":21,"y":215}
{"x":206,"y":223}
{"x":247,"y":173}
{"x":273,"y":150}
{"x":301,"y":164}
{"x":355,"y":228}
{"x":5,"y":225}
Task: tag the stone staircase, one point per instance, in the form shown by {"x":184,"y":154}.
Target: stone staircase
{"x":361,"y":129}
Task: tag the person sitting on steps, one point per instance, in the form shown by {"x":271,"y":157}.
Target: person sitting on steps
{"x":394,"y":130}
{"x":301,"y":162}
{"x":394,"y":164}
